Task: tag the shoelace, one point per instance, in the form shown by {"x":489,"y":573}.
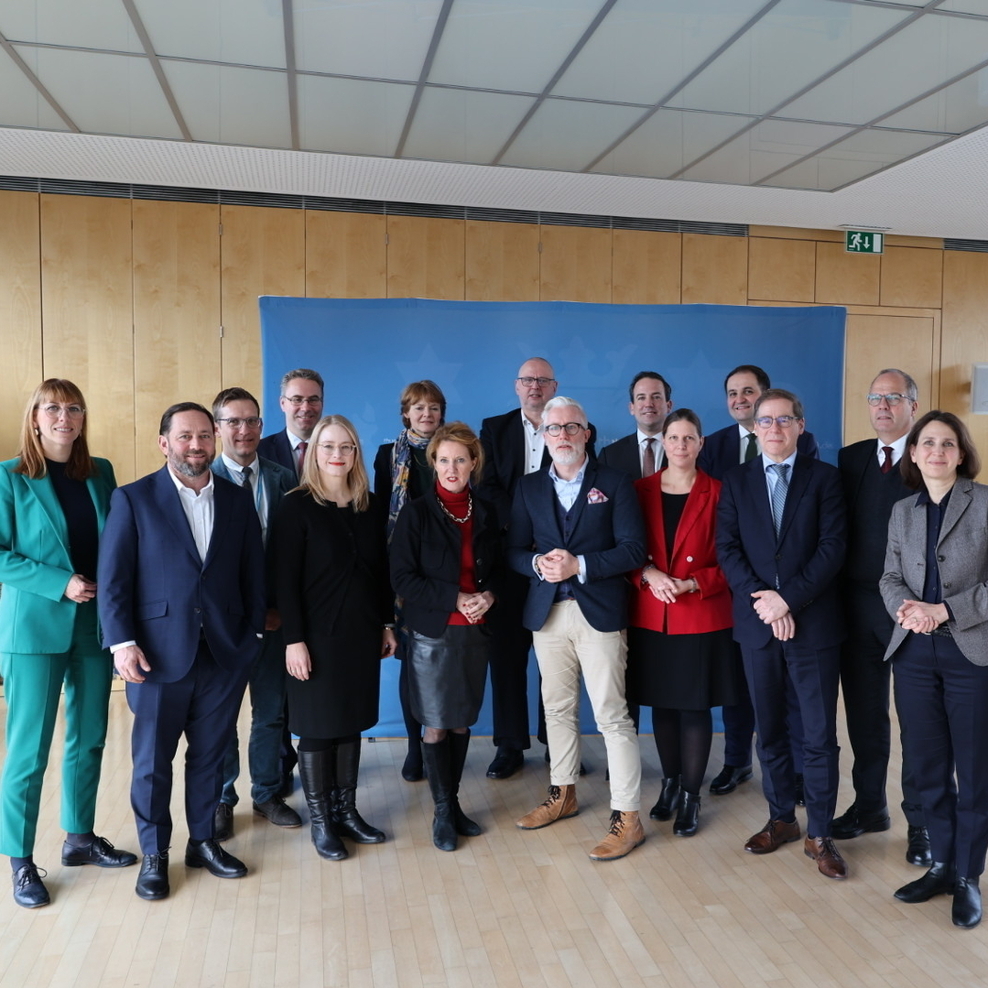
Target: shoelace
{"x":555,"y":793}
{"x":617,"y":824}
{"x":30,"y":874}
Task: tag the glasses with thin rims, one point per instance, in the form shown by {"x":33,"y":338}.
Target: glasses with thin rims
{"x":894,"y":398}
{"x":254,"y":422}
{"x":344,"y":449}
{"x":782,"y":421}
{"x":54,"y":410}
{"x":297,"y":400}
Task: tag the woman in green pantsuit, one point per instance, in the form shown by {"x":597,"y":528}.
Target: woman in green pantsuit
{"x":54,"y":498}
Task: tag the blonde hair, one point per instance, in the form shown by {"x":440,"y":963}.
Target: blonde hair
{"x":357,"y":482}
{"x":80,"y":465}
{"x":458,"y":432}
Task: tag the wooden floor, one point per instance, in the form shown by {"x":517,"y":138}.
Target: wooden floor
{"x":508,"y":908}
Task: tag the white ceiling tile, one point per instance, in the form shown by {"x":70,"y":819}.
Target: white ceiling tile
{"x":378,"y":39}
{"x":966,"y":6}
{"x":74,"y":23}
{"x":458,"y":125}
{"x":953,"y":110}
{"x":21,"y":105}
{"x":351,"y":117}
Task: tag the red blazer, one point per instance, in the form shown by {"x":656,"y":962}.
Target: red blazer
{"x":694,"y":554}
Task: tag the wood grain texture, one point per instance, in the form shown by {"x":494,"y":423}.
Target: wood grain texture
{"x":715,"y":269}
{"x":647,"y":267}
{"x":576,"y":264}
{"x":425,"y":257}
{"x":912,"y":276}
{"x":781,"y":269}
{"x":846,"y":279}
{"x":502,"y":261}
{"x":346,"y":255}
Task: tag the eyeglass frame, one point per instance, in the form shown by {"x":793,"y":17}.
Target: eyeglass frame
{"x":298,"y":400}
{"x":893,"y":398}
{"x":570,"y":428}
{"x":252,"y":422}
{"x":782,"y":421}
{"x":542,"y":382}
{"x":73,"y":410}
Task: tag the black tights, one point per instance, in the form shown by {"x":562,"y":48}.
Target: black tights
{"x":324,"y":744}
{"x":682,"y":739}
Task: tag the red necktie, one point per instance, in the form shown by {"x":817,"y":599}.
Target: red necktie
{"x":648,"y":464}
{"x":302,"y":447}
{"x":887,"y":462}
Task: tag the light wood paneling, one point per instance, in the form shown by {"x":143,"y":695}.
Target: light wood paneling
{"x":912,"y":276}
{"x":346,"y":255}
{"x":781,"y":269}
{"x":647,"y":267}
{"x":846,"y":279}
{"x":576,"y":264}
{"x":262,"y":253}
{"x":425,"y":257}
{"x":87,"y":306}
{"x":502,"y":261}
{"x":177,"y":346}
{"x":20,"y":311}
{"x":715,"y":269}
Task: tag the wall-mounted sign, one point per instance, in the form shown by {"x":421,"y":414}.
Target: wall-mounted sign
{"x":863,"y":242}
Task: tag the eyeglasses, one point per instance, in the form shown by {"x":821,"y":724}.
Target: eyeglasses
{"x":297,"y":400}
{"x":542,"y":382}
{"x":782,"y":421}
{"x":570,"y":428}
{"x":254,"y":422}
{"x":893,"y":399}
{"x":73,"y":411}
{"x":344,"y":449}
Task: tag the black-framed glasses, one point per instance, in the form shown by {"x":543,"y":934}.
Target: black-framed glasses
{"x":297,"y":400}
{"x":542,"y":382}
{"x":782,"y":421}
{"x":570,"y":428}
{"x":894,"y":398}
{"x":254,"y":422}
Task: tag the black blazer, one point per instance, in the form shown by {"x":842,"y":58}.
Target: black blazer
{"x":279,"y":448}
{"x":721,"y":450}
{"x":425,"y":561}
{"x":623,"y":455}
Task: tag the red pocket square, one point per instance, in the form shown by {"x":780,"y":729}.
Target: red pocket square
{"x":595,"y":496}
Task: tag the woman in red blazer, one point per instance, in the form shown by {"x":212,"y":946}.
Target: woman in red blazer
{"x":680,"y":654}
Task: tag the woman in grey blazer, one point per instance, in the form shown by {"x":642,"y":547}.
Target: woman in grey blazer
{"x":935,"y":585}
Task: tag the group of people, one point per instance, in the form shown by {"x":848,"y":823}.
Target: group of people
{"x":669,"y":570}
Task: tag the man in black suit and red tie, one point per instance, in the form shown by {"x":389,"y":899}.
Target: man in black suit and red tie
{"x":641,"y":454}
{"x":301,"y":402}
{"x":872,"y":484}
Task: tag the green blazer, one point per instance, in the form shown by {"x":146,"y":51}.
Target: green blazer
{"x":35,"y":565}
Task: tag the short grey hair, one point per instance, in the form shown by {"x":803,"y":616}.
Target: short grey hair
{"x":562,"y":402}
{"x":912,"y":388}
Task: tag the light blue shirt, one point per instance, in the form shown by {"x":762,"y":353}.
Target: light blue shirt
{"x":568,"y":491}
{"x":772,"y":476}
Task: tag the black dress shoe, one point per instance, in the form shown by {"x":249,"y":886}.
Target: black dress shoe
{"x":209,"y":855}
{"x":966,"y":910}
{"x":152,"y":882}
{"x":506,"y":762}
{"x":668,"y":802}
{"x":853,"y":823}
{"x":223,"y":822}
{"x":688,"y":816}
{"x":918,"y":849}
{"x":729,"y":778}
{"x":939,"y":880}
{"x":800,"y":789}
{"x":29,"y":889}
{"x":98,"y":852}
{"x":277,"y":811}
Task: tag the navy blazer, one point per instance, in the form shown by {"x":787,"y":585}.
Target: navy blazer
{"x":722,"y":450}
{"x":623,"y":455}
{"x":155,"y":590}
{"x":609,"y":534}
{"x":803,"y":563}
{"x":279,"y":449}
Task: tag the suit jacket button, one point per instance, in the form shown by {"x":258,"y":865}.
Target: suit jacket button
{"x":480,"y":561}
{"x":689,"y":559}
{"x":941,"y":558}
{"x":946,"y":586}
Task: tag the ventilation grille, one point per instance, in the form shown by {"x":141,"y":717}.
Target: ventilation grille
{"x":980,"y":246}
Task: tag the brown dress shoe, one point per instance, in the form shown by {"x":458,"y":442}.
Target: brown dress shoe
{"x":625,"y":834}
{"x":772,"y":836}
{"x":560,"y":804}
{"x":824,"y":852}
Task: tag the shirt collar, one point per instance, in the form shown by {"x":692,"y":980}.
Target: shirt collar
{"x":791,"y":460}
{"x":188,"y":491}
{"x":578,"y":479}
{"x":642,"y":437}
{"x":236,"y":468}
{"x":898,"y":447}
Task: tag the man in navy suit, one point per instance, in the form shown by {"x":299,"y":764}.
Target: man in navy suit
{"x":781,"y":535}
{"x":576,"y":532}
{"x":182,"y":605}
{"x":641,"y":454}
{"x":301,"y":401}
{"x":238,"y":426}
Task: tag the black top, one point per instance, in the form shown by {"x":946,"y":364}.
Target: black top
{"x":932,"y":589}
{"x":80,"y":518}
{"x":672,"y":510}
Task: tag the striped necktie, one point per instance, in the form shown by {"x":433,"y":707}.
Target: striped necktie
{"x":779,"y":494}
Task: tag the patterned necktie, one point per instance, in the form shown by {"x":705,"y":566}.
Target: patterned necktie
{"x":245,"y":476}
{"x":887,"y":462}
{"x":779,"y":494}
{"x":648,"y":464}
{"x":751,"y":449}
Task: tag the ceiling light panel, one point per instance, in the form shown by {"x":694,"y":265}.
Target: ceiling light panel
{"x":107,"y":94}
{"x":460,"y":125}
{"x":378,"y":39}
{"x":21,"y":105}
{"x":643,"y":48}
{"x":953,"y":110}
{"x":924,"y":55}
{"x":351,"y":117}
{"x":90,"y":24}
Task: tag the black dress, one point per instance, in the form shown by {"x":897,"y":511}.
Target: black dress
{"x":333,"y":593}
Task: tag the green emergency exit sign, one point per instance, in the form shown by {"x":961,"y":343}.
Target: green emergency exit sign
{"x":863,"y":242}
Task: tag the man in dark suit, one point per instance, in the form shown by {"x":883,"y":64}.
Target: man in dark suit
{"x":576,"y":531}
{"x":781,"y":534}
{"x":722,"y":451}
{"x":872,"y":483}
{"x":238,"y":426}
{"x":181,"y":602}
{"x":641,"y":454}
{"x":301,"y":401}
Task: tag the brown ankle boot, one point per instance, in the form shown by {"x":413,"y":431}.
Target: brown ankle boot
{"x":560,"y":804}
{"x":625,"y":834}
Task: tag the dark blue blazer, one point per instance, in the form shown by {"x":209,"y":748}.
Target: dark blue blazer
{"x":279,"y":448}
{"x":155,"y":590}
{"x":803,"y":563}
{"x":721,"y":450}
{"x":609,"y":534}
{"x":623,"y":455}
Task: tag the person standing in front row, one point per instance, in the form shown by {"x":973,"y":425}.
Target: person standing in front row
{"x":576,"y":532}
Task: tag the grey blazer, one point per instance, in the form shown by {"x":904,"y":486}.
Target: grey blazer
{"x":963,"y":556}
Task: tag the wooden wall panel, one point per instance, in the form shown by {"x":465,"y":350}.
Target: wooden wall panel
{"x":912,"y":276}
{"x":87,"y":308}
{"x":781,"y":270}
{"x":576,"y":264}
{"x":21,"y":369}
{"x":647,"y":267}
{"x":262,"y":252}
{"x":502,"y":261}
{"x":846,"y":279}
{"x":715,"y":269}
{"x":346,"y":255}
{"x":425,"y":257}
{"x":177,"y":345}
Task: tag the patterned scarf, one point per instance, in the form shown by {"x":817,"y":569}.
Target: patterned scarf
{"x":401,"y":469}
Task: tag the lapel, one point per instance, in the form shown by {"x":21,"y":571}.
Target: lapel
{"x":960,"y":501}
{"x":100,"y":501}
{"x":696,"y":504}
{"x":581,"y":499}
{"x":43,"y":491}
{"x":798,"y":485}
{"x":223,"y":494}
{"x":759,"y":506}
{"x":167,"y":499}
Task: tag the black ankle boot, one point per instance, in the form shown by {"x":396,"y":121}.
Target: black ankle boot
{"x":668,"y":800}
{"x":436,"y":758}
{"x":458,"y":744}
{"x":688,"y":817}
{"x":314,"y":768}
{"x":347,"y":822}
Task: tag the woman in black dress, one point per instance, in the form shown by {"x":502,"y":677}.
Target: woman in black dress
{"x":402,"y":472}
{"x":444,"y":550}
{"x":336,"y":612}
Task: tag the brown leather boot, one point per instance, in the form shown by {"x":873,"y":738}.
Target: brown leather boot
{"x":560,"y":804}
{"x":625,"y":834}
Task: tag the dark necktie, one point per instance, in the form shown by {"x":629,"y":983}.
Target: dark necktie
{"x":302,"y":447}
{"x":779,"y":493}
{"x":245,"y":476}
{"x":751,"y":449}
{"x":887,"y":462}
{"x":648,"y":460}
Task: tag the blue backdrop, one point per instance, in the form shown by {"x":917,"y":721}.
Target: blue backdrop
{"x":369,"y":349}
